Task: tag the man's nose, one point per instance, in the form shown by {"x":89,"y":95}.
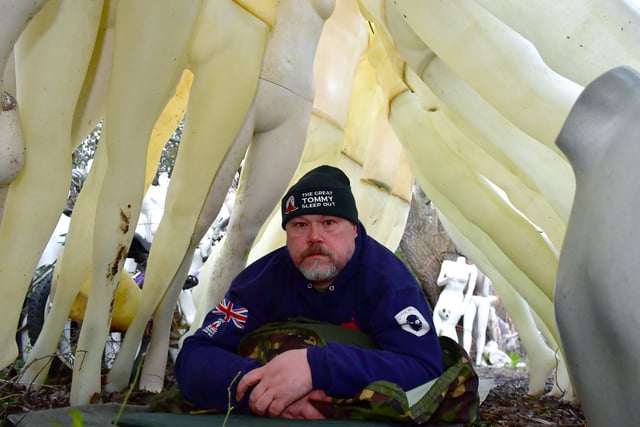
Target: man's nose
{"x":315,"y":232}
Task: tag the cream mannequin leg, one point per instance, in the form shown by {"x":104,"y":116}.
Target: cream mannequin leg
{"x":210,"y":127}
{"x":134,"y":104}
{"x":597,"y":291}
{"x":47,"y":138}
{"x":274,"y":134}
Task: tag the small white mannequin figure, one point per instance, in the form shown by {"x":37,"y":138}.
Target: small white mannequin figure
{"x":457,"y":277}
{"x":476,"y":316}
{"x":153,"y":208}
{"x":466,"y":293}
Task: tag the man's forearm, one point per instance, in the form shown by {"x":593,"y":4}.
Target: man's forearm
{"x":209,"y":376}
{"x":342,"y":371}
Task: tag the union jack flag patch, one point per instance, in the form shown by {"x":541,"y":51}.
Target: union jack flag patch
{"x":228,"y":311}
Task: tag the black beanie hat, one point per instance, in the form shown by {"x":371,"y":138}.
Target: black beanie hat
{"x":324,"y":190}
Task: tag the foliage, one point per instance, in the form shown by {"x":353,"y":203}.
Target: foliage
{"x":170,"y":151}
{"x":85,"y":151}
{"x":516,"y":359}
{"x":76,"y":416}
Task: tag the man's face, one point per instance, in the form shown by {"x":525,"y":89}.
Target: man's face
{"x":320,"y":246}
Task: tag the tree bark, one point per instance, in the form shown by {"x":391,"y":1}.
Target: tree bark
{"x":424,"y":243}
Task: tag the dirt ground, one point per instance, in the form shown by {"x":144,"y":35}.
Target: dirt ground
{"x":506,"y":404}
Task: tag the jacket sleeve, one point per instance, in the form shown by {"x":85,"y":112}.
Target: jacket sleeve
{"x":208,"y":366}
{"x":409,"y":352}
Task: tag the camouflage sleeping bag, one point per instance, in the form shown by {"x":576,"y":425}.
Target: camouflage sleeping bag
{"x":451,"y":398}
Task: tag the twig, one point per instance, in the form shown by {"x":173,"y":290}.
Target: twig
{"x":133,"y":385}
{"x":555,"y":354}
{"x":229,"y":406}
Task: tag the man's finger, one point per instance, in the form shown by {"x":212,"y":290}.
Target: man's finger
{"x":304,"y":408}
{"x":259,"y":402}
{"x":276,"y":408}
{"x":249,"y":379}
{"x":320,"y":396}
{"x":312,"y":413}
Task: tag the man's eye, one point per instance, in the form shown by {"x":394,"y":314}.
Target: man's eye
{"x":329,"y":222}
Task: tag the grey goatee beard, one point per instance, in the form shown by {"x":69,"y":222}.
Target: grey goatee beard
{"x":313,"y":270}
{"x":316,"y":272}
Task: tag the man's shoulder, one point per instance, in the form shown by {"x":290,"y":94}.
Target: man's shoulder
{"x":262,"y":269}
{"x":376,"y":255}
{"x":273,"y":258}
{"x":380,"y":267}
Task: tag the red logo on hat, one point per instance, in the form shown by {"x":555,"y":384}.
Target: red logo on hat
{"x":290,"y":205}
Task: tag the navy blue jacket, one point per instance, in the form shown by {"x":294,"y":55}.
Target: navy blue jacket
{"x":375,"y":292}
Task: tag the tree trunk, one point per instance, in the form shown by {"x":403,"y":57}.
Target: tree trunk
{"x":424,"y":243}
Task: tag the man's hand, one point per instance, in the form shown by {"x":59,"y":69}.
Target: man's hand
{"x":278,"y":384}
{"x":304,"y":409}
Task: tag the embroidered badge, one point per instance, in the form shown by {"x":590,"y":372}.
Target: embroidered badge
{"x":351,"y":324}
{"x":411,"y":320}
{"x":213,"y":328}
{"x":229,"y":312}
{"x":290,"y":206}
